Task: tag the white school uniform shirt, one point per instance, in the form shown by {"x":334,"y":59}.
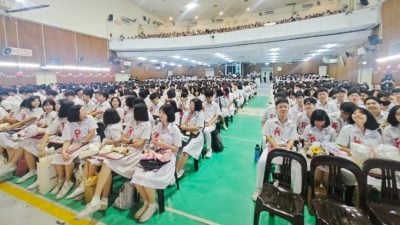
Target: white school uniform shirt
{"x":3,"y":113}
{"x":269,"y":113}
{"x":76,"y":131}
{"x":210,"y":110}
{"x":102,"y":107}
{"x":382,"y":117}
{"x":281,"y":133}
{"x":128,"y":115}
{"x":46,"y":118}
{"x":351,"y":133}
{"x":155,"y":109}
{"x":57,"y":125}
{"x":90,"y":106}
{"x":138,"y":130}
{"x":313,"y":134}
{"x":25,"y":113}
{"x":302,"y":122}
{"x":170,"y":135}
{"x":295,"y":111}
{"x":78,"y":101}
{"x":195,"y":119}
{"x":391,"y":136}
{"x":336,"y":121}
{"x":329,"y":107}
{"x":113,"y":132}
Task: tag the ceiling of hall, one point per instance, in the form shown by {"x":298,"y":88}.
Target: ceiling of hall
{"x":208,"y":9}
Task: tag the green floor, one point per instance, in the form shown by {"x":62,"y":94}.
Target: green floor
{"x":220,"y":191}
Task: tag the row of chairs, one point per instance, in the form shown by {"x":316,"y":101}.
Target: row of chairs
{"x":372,"y":206}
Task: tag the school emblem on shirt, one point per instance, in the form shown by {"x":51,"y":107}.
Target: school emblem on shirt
{"x":156,"y":135}
{"x":357,"y":140}
{"x":77,"y":133}
{"x":312,"y":138}
{"x":303,"y":125}
{"x":397,"y":142}
{"x":130,"y":131}
{"x":277,"y":131}
{"x":335,"y":125}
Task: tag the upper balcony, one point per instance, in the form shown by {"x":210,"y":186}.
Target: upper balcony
{"x":359,"y":20}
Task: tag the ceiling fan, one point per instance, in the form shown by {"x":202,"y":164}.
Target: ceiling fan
{"x":14,"y":6}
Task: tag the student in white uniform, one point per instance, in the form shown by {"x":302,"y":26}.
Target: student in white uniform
{"x":192,"y":123}
{"x":280,"y":132}
{"x":373,"y":105}
{"x":391,"y":134}
{"x":362,"y":129}
{"x":323,"y":101}
{"x":211,"y":113}
{"x":136,"y":134}
{"x":31,"y":145}
{"x":29,"y":113}
{"x":88,"y":104}
{"x":223,"y":103}
{"x":80,"y":131}
{"x":165,"y":135}
{"x":155,"y":104}
{"x":303,"y":120}
{"x":116,"y":104}
{"x":319,"y":131}
{"x":112,"y":132}
{"x":101,"y":106}
{"x":340,"y":119}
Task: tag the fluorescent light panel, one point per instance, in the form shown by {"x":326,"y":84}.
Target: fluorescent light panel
{"x":388,"y":58}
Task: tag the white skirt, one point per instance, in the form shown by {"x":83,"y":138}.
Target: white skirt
{"x":125,"y":166}
{"x":58,"y":159}
{"x":195,"y":146}
{"x":30,"y":145}
{"x":7,"y":142}
{"x":156,"y":180}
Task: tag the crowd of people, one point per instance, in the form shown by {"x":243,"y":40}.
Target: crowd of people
{"x":308,"y":110}
{"x":98,"y":130}
{"x":295,"y":17}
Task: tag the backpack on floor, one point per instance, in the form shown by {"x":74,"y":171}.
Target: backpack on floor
{"x":125,"y":200}
{"x":216,"y":141}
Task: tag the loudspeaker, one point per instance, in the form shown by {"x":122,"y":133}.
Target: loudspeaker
{"x":110,"y":18}
{"x":364,"y":2}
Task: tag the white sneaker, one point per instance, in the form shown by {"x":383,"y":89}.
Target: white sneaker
{"x":256,"y":193}
{"x":65,"y":189}
{"x":140,"y":212}
{"x":78,"y":191}
{"x":33,"y":186}
{"x":27,"y":176}
{"x":148,"y":213}
{"x":180,"y":173}
{"x":8,"y":168}
{"x":89,"y":209}
{"x":57,"y":188}
{"x":103,"y":204}
{"x":209,"y":153}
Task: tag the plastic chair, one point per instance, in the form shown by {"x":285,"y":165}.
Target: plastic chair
{"x":332,"y":209}
{"x":386,"y":209}
{"x":277,"y":196}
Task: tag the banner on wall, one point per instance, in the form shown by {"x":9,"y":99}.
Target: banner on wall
{"x":7,"y":51}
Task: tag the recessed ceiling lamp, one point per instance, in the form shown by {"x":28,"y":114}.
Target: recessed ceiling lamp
{"x":388,"y":58}
{"x":196,"y":17}
{"x":191,"y":6}
{"x":193,"y":61}
{"x":141,"y":58}
{"x":273,"y":53}
{"x":330,"y":45}
{"x":322,"y":50}
{"x":179,"y":65}
{"x":170,"y":18}
{"x":154,"y":60}
{"x":221,"y":13}
{"x":176,"y":57}
{"x":248,"y":9}
{"x":274,"y":49}
{"x":185,"y":59}
{"x":172,"y":64}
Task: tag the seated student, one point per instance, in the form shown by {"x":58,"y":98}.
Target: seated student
{"x":135,"y":135}
{"x":223,"y":103}
{"x":319,"y":131}
{"x":384,"y":97}
{"x":303,"y":119}
{"x":154,"y":106}
{"x":395,"y":96}
{"x":373,"y":105}
{"x":298,"y":107}
{"x":30,"y":145}
{"x":80,"y":131}
{"x":353,"y":95}
{"x":165,"y":135}
{"x":362,"y":129}
{"x":29,"y":112}
{"x":391,"y":134}
{"x":323,"y":102}
{"x":88,"y":104}
{"x":280,"y":132}
{"x":340,"y":119}
{"x":192,"y":124}
{"x":71,"y":95}
{"x":101,"y":106}
{"x":116,"y":104}
{"x":211,"y":113}
{"x":270,"y":112}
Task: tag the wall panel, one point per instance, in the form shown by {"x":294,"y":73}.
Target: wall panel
{"x":30,"y":37}
{"x":60,"y":44}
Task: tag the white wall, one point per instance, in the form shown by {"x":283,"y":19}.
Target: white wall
{"x":89,"y":16}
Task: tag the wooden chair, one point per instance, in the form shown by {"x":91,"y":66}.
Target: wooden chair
{"x":386,"y":209}
{"x":332,"y":209}
{"x":277,"y":196}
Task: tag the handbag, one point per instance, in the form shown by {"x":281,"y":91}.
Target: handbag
{"x":151,"y":164}
{"x":125,"y":199}
{"x":46,"y":174}
{"x":154,"y":160}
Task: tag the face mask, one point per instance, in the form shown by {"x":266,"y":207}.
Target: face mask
{"x":385,"y":103}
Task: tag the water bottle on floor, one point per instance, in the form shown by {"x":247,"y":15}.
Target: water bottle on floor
{"x":257,"y":153}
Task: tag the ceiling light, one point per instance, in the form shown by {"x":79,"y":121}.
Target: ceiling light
{"x":193,"y":61}
{"x":141,"y":58}
{"x":274,"y":49}
{"x":170,"y":18}
{"x":164,"y":62}
{"x":185,"y":59}
{"x":154,"y":60}
{"x":179,"y":65}
{"x":196,"y":17}
{"x":273,"y":53}
{"x":388,"y":58}
{"x":221,"y":13}
{"x":20,"y":65}
{"x":79,"y":68}
{"x":248,"y":9}
{"x":330,"y":45}
{"x":269,"y":24}
{"x":172,"y":64}
{"x":176,"y":57}
{"x":314,"y":54}
{"x":191,"y":6}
